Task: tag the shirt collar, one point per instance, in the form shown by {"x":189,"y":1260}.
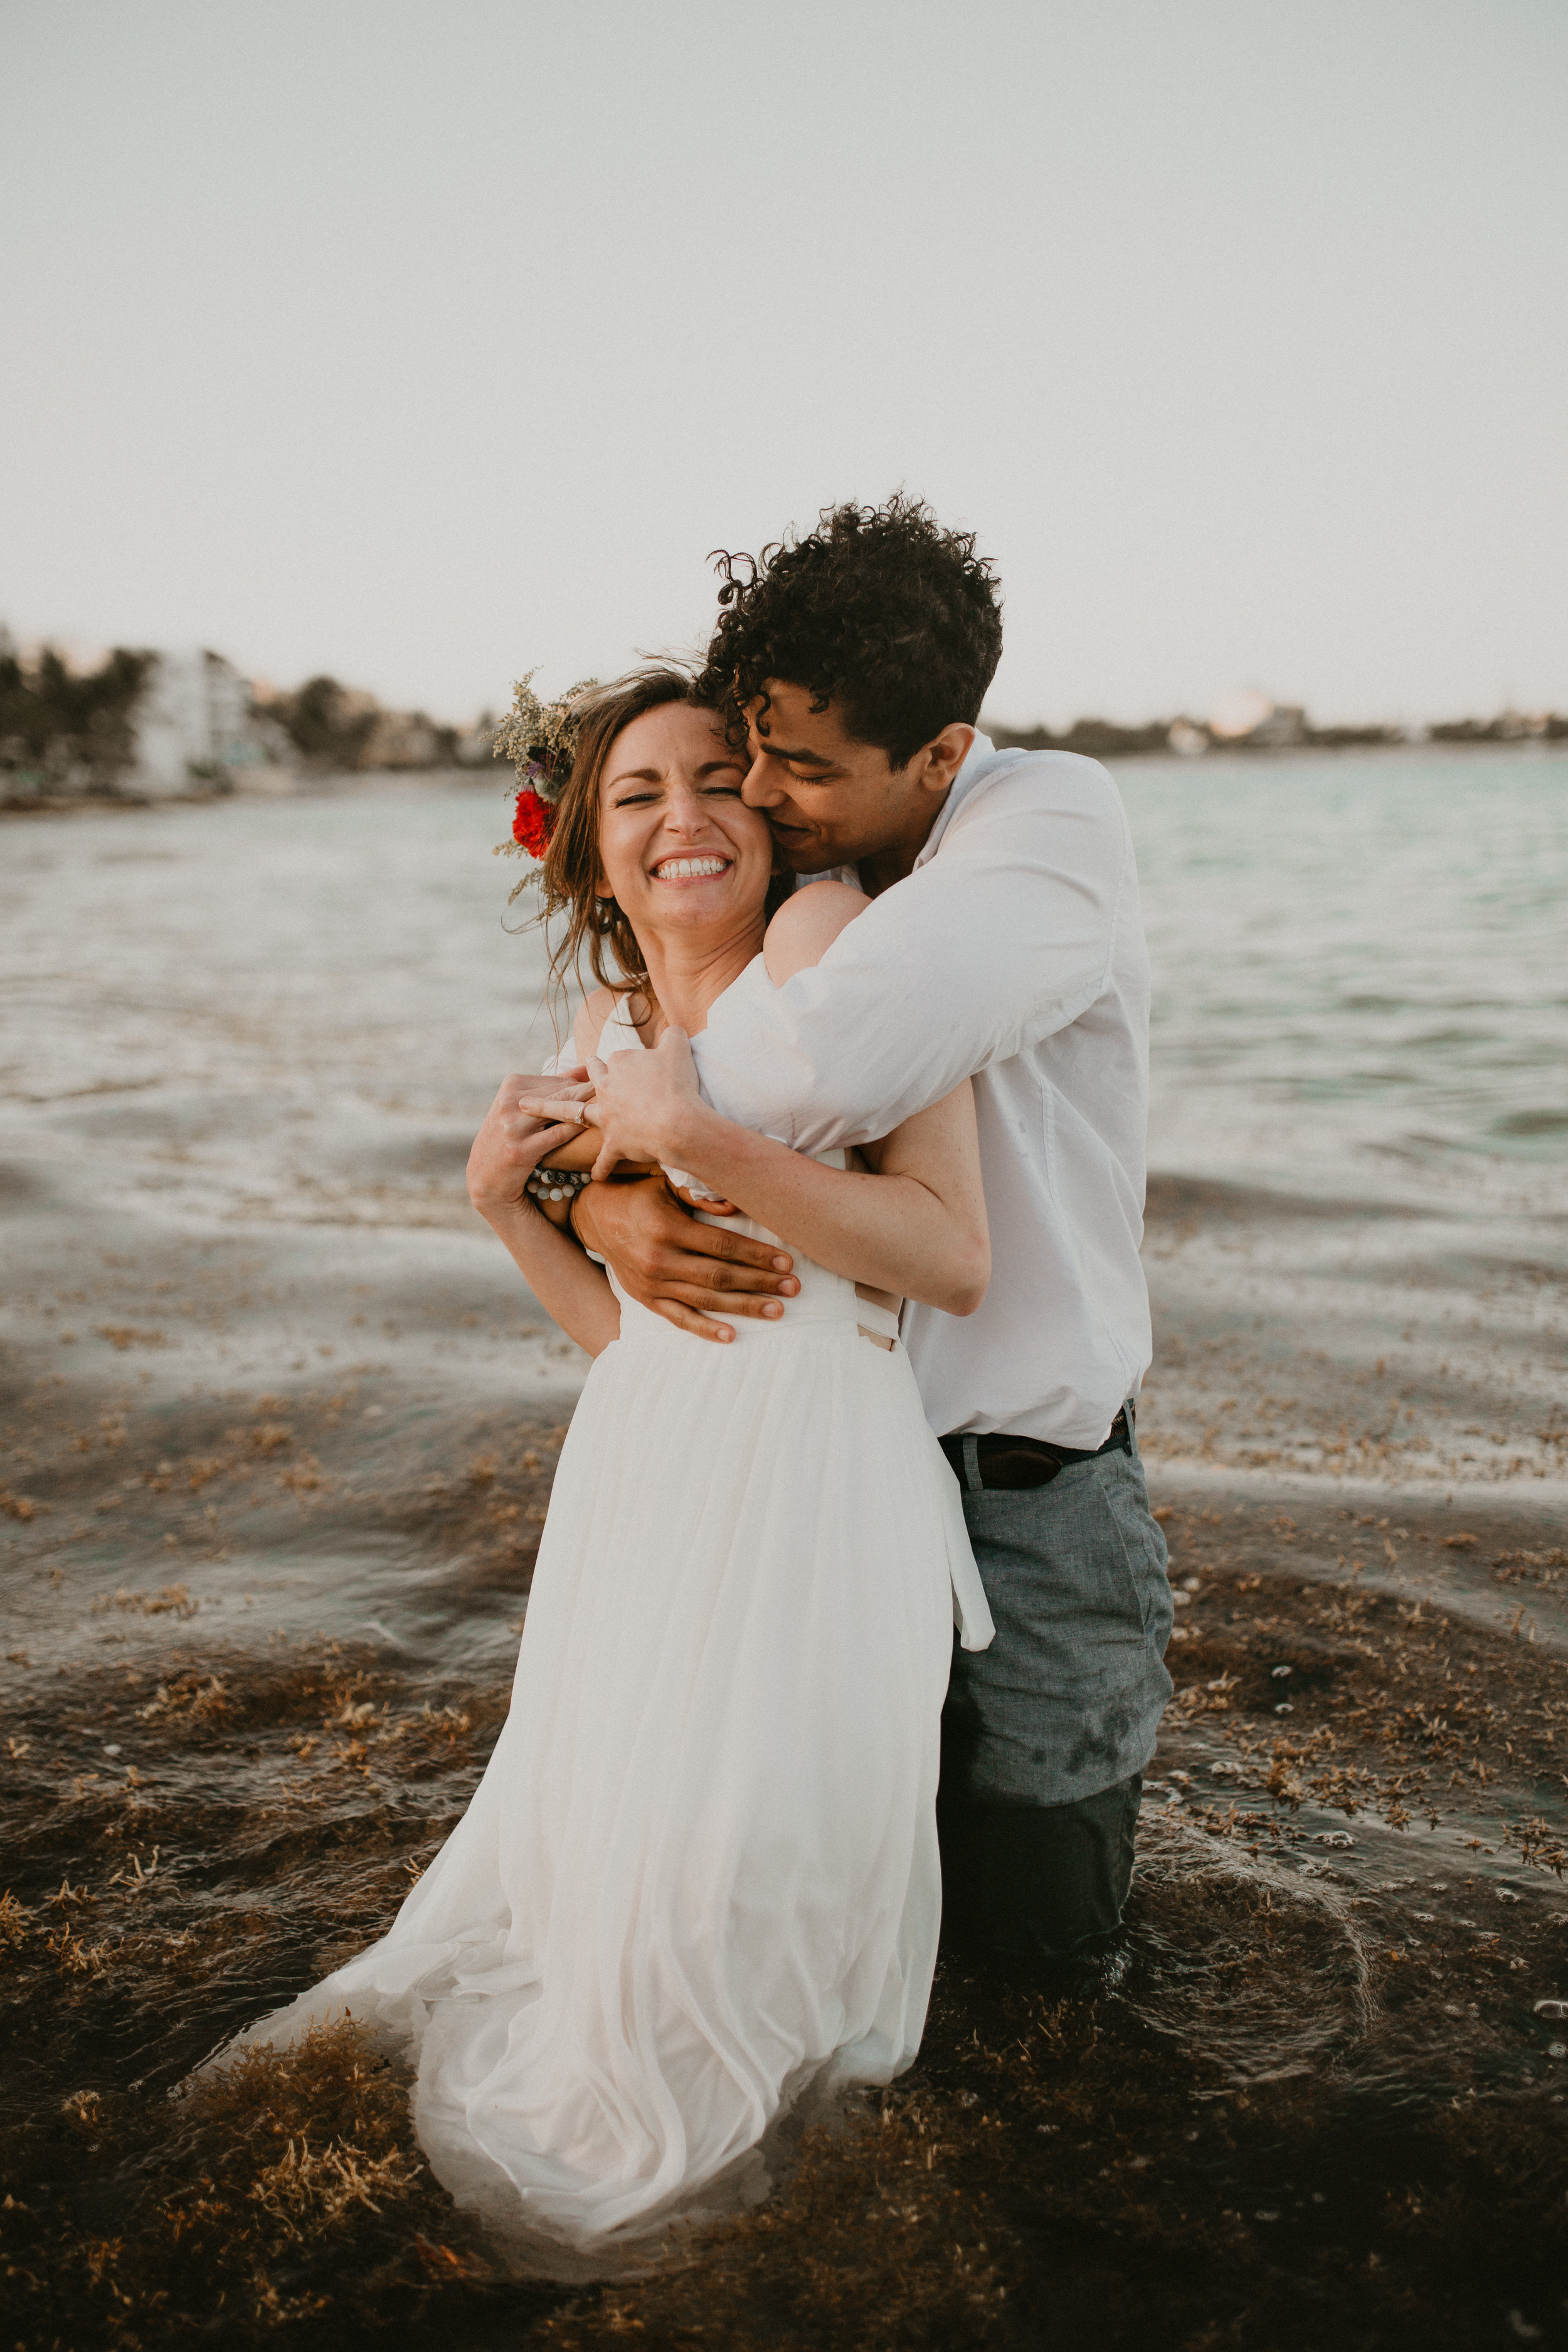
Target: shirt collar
{"x":980,"y":757}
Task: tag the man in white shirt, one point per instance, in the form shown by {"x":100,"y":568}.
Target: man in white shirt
{"x":1005,"y":944}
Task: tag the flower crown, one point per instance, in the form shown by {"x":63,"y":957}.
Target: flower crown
{"x":541,"y":738}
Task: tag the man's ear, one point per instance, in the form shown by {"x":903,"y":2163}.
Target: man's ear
{"x":943,"y":756}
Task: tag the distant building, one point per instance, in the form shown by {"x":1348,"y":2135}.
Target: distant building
{"x":1286,"y":724}
{"x":193,"y":726}
{"x":401,"y":738}
{"x":1252,"y":719}
{"x":160,"y":725}
{"x":1235,"y":716}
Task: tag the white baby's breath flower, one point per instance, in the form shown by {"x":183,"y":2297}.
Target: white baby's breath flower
{"x":541,"y":738}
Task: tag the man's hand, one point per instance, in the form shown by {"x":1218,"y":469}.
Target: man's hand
{"x":683,"y":1270}
{"x":646,"y":1105}
{"x":510,"y":1145}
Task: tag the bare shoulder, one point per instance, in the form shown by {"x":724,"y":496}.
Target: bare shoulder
{"x":595,"y":1011}
{"x":806,"y":926}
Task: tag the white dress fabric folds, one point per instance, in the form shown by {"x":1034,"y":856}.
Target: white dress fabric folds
{"x":701,"y":1873}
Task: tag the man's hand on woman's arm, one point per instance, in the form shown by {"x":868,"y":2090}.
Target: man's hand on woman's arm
{"x":685,"y":1270}
{"x":663,"y":1257}
{"x":917,"y":1228}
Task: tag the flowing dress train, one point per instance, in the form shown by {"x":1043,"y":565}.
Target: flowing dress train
{"x":699,"y":1874}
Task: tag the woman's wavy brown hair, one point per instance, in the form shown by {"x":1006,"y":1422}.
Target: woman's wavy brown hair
{"x":569,"y":876}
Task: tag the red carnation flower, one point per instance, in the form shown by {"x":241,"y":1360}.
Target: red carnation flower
{"x":533,"y":822}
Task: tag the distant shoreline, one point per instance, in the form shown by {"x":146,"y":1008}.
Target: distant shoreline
{"x":1266,"y":755}
{"x":1280,"y":731}
{"x":306,"y":783}
{"x":316,"y":784}
{"x":148,"y":728}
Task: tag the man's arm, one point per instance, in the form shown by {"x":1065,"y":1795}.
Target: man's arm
{"x":916,"y":1227}
{"x":1006,"y":936}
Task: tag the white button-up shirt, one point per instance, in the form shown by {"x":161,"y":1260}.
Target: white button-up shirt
{"x":1014,"y":954}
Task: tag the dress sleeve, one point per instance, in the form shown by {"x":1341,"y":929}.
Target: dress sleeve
{"x":1006,"y":936}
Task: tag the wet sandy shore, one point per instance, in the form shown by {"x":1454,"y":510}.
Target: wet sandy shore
{"x":278,"y":1426}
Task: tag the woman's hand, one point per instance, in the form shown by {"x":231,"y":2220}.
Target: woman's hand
{"x":646,"y":1105}
{"x":510,"y":1144}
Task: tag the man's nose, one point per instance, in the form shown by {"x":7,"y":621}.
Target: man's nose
{"x":760,"y":790}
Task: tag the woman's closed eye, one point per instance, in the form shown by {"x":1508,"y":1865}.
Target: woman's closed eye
{"x":730,"y":790}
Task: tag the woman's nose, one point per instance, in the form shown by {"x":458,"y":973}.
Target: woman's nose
{"x":686,"y":813}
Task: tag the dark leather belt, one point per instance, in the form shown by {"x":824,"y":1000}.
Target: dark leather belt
{"x":1004,"y":1460}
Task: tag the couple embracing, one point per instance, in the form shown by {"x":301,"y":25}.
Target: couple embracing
{"x":849,"y":1612}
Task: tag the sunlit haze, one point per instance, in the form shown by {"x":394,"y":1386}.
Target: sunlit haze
{"x":427,"y":344}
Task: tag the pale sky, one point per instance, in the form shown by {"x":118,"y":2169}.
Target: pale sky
{"x":426,"y":343}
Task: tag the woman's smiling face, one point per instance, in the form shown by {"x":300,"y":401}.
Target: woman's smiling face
{"x":678,"y":849}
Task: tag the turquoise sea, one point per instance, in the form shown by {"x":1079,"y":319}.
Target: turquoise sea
{"x":1361,"y":968}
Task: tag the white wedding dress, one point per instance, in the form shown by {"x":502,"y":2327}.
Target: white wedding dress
{"x":699,"y":1876}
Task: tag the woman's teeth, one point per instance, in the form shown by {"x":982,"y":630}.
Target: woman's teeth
{"x":689,"y":869}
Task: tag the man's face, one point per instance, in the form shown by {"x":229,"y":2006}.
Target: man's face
{"x":830,"y":800}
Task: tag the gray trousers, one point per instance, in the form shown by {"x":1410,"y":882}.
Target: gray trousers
{"x":1046,"y":1734}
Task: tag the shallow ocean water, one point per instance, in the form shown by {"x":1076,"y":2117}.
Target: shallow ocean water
{"x":1360,"y":975}
{"x":278,"y":1423}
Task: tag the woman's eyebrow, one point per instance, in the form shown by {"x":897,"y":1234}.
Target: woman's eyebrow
{"x":656,"y":775}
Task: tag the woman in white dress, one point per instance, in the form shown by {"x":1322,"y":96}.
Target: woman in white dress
{"x":699,"y":1875}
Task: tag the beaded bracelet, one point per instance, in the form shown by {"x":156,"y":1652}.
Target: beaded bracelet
{"x":558,"y":1183}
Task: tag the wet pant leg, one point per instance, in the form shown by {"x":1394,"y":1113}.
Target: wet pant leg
{"x":1043,"y":1881}
{"x":1046,"y":1734}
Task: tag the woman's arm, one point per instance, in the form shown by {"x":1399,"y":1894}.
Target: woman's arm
{"x":567,"y":1284}
{"x":916,"y":1227}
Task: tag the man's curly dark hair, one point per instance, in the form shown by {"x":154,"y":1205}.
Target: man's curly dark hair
{"x":879,"y":610}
